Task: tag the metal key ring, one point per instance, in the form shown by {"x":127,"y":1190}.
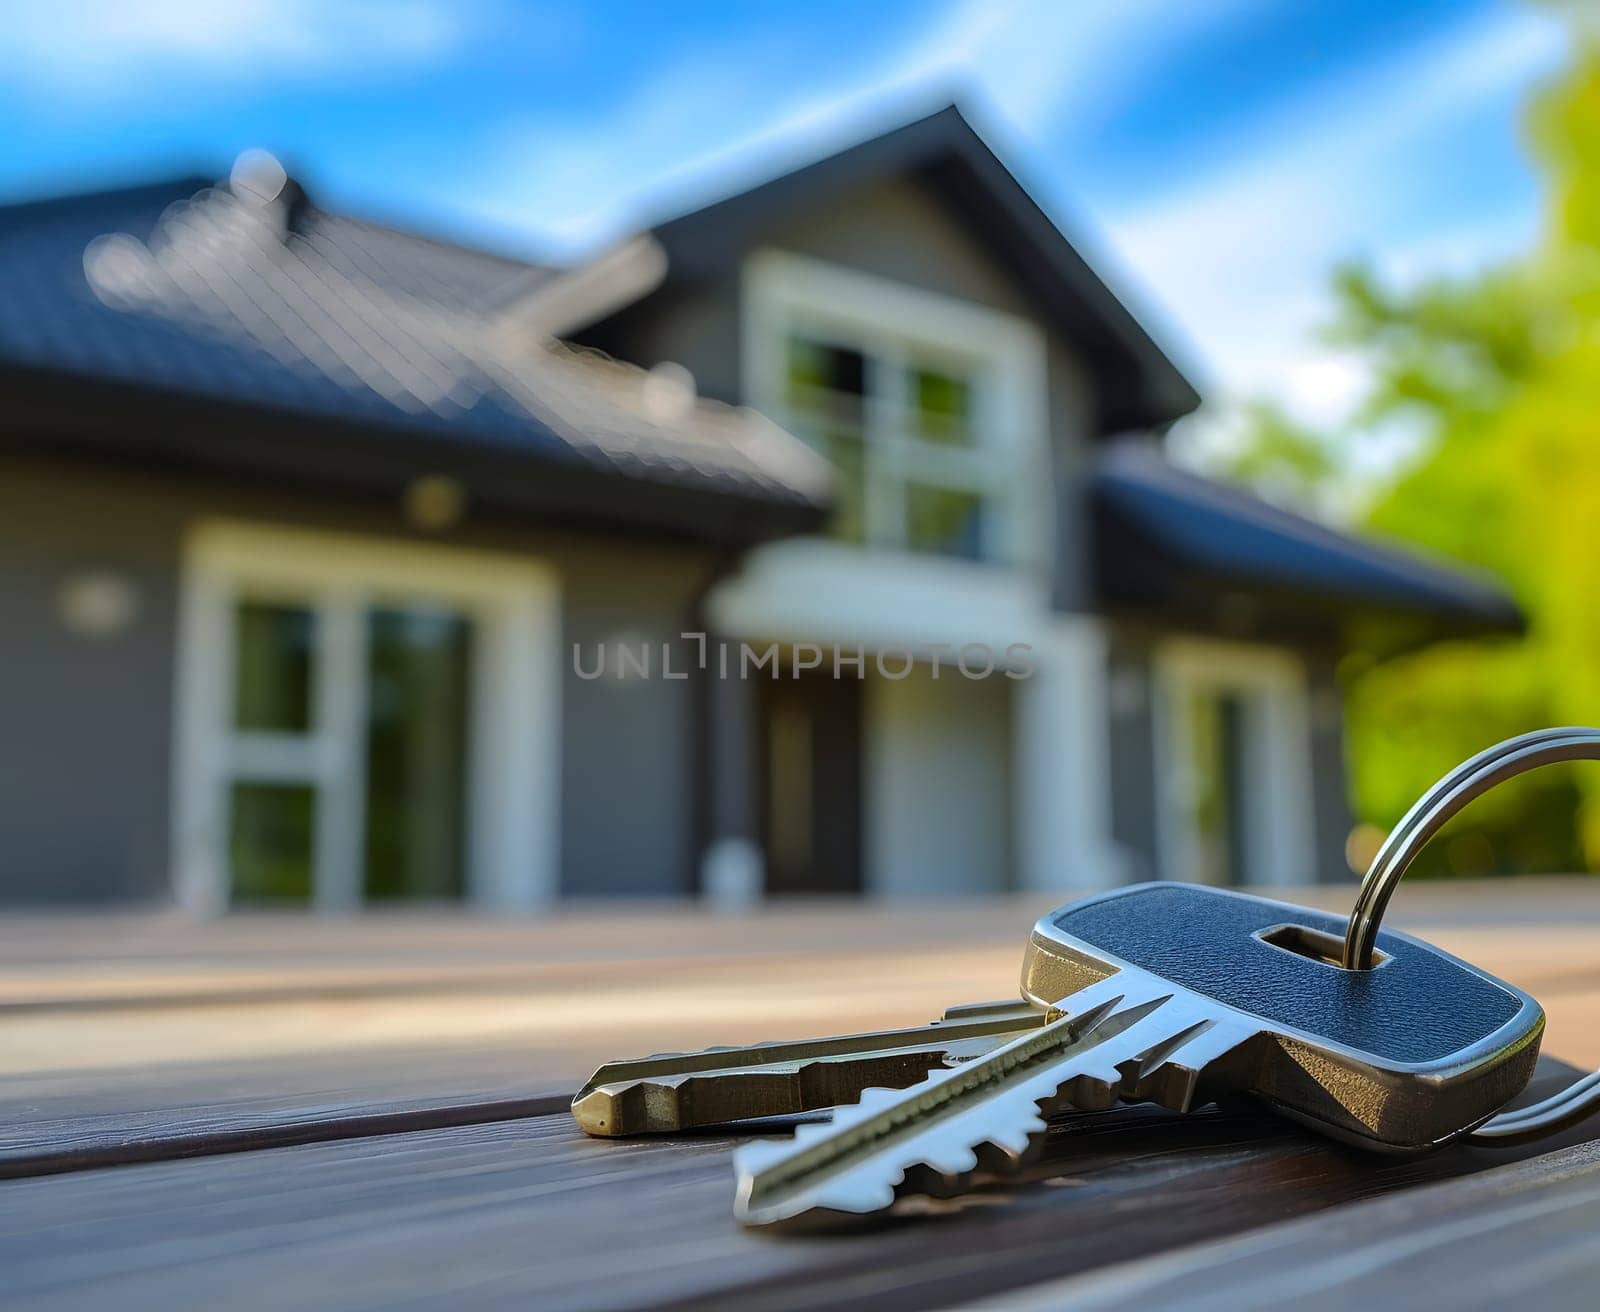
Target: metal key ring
{"x":1461,"y":786}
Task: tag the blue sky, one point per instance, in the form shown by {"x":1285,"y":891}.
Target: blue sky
{"x":1218,"y":156}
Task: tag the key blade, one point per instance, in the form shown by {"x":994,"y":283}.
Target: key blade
{"x":1122,"y":1036}
{"x":979,"y":1010}
{"x":671,"y":1092}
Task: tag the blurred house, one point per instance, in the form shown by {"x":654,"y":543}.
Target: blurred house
{"x":342,"y":565}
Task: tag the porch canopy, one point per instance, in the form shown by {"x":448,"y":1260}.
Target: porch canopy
{"x":1196,"y":553}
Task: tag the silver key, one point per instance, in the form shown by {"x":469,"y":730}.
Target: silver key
{"x":1178,"y":995}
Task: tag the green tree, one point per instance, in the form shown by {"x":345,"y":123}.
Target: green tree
{"x":1501,"y":374}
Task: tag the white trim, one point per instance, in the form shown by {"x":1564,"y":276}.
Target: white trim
{"x":820,"y":590}
{"x":1061,"y":752}
{"x":1278,"y":842}
{"x":513,"y":772}
{"x":588,"y":292}
{"x":781,"y":291}
{"x":732,"y":873}
{"x":340,"y":717}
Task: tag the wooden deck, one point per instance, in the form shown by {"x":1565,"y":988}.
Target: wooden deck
{"x":281,"y":1112}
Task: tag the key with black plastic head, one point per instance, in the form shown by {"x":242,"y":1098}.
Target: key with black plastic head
{"x":1181,"y":996}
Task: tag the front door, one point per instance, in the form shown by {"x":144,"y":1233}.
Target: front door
{"x":811,"y":772}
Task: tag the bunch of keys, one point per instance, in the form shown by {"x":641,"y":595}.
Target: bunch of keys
{"x":1172,"y":994}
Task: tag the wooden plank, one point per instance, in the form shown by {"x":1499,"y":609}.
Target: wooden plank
{"x":146,"y":960}
{"x":1521,"y":1235}
{"x":94,"y":1088}
{"x":51,"y":1124}
{"x":530,"y":1213}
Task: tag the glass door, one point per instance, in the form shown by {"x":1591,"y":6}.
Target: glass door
{"x":272,"y":795}
{"x":347,"y":763}
{"x":1213,"y":772}
{"x":418,"y":687}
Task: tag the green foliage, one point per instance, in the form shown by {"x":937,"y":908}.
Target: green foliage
{"x":1285,"y":460}
{"x":1501,"y":374}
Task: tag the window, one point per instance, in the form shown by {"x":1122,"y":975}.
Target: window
{"x":902,"y":438}
{"x":826,"y":405}
{"x":364,"y":722}
{"x":928,"y":409}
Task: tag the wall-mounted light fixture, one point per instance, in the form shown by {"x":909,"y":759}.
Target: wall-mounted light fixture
{"x":97,"y":603}
{"x":434,"y":502}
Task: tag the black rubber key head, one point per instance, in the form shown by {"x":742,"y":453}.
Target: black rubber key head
{"x":1402,"y":1057}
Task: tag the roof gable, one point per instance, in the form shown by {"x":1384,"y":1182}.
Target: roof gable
{"x":1138,"y":385}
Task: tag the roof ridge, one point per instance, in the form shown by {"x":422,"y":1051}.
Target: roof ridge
{"x":450,"y":244}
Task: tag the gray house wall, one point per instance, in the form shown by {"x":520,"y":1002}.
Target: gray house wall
{"x":895,"y":228}
{"x":85,"y":794}
{"x":1130,"y":707}
{"x":84,"y":777}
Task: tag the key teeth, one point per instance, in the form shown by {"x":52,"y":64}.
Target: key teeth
{"x":955,"y":1163}
{"x":1003,"y":1139}
{"x":1022,"y":1138}
{"x":1171,"y":1073}
{"x":841,"y":1203}
{"x":942,"y":1175}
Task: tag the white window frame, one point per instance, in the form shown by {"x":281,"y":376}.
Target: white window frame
{"x":1278,"y":816}
{"x":786,"y":295}
{"x":513,"y":750}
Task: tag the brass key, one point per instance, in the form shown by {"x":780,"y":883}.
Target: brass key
{"x":681,"y":1091}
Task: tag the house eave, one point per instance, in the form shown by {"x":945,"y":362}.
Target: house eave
{"x":92,"y":418}
{"x":1188,"y":553}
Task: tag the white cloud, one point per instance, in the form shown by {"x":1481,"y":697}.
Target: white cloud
{"x":110,"y":48}
{"x":1040,"y":61}
{"x":668,"y":144}
{"x":1242,"y":256}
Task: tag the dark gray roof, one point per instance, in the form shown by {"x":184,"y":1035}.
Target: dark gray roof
{"x":1172,"y":540}
{"x":227,"y":293}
